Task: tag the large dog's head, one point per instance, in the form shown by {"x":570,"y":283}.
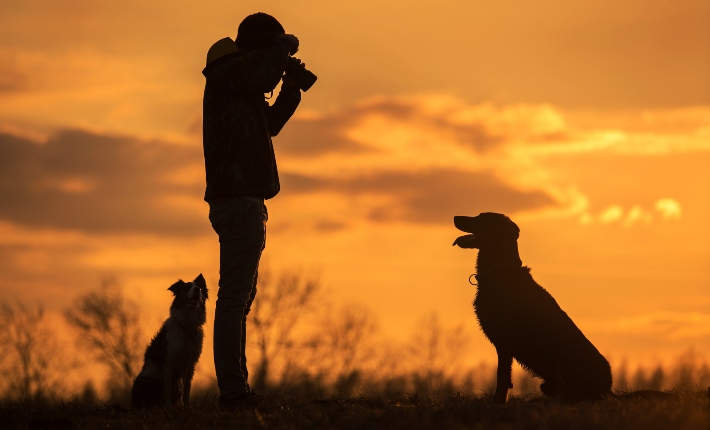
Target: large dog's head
{"x":486,"y":229}
{"x":190,"y":296}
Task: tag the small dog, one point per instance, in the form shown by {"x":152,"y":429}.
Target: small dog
{"x":523,"y":321}
{"x":172,"y":354}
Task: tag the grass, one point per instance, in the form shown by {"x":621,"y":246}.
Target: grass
{"x":691,"y":410}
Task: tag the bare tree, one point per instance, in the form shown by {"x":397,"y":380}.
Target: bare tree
{"x":29,"y":353}
{"x":109,"y":326}
{"x":690,"y":372}
{"x":343,"y":346}
{"x":436,"y":351}
{"x":280,"y":304}
{"x":621,"y":377}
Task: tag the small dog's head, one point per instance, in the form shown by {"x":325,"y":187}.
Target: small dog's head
{"x":486,"y":229}
{"x":190,"y":294}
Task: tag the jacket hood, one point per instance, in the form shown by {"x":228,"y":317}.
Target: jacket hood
{"x":222,"y":50}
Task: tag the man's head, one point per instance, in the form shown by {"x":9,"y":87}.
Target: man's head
{"x":257,"y":31}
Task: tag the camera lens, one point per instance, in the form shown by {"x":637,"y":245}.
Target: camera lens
{"x":303,"y":77}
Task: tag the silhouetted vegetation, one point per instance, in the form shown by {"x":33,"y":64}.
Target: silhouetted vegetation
{"x":436,"y":355}
{"x":320,"y":365}
{"x":281,"y":302}
{"x":28,"y":354}
{"x":688,"y":412}
{"x":343,"y":350}
{"x":109,"y":327}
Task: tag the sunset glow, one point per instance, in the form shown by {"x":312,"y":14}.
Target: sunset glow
{"x":588,"y":123}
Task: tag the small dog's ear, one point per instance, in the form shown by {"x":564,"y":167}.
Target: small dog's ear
{"x":200,"y":282}
{"x":176,"y":286}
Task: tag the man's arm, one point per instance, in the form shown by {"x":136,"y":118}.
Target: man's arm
{"x":263,"y":78}
{"x":284,"y":106}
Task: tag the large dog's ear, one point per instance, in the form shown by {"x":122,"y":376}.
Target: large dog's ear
{"x":466,"y":241}
{"x":200,"y":282}
{"x":514,"y":229}
{"x":465,"y":223}
{"x":176,"y":286}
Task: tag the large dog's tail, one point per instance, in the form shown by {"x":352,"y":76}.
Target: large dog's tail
{"x":648,"y":395}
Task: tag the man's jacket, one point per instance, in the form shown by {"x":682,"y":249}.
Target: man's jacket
{"x":238,"y":123}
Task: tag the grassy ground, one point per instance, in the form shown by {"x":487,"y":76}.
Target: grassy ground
{"x":690,"y":411}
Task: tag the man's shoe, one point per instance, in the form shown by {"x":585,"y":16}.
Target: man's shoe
{"x":256,"y":396}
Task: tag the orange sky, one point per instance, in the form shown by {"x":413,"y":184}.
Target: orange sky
{"x":587,"y":122}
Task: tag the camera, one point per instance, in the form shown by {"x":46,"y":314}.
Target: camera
{"x":303,"y":77}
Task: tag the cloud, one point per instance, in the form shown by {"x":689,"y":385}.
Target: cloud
{"x":424,"y":158}
{"x":668,"y":208}
{"x":11,"y":80}
{"x":685,"y":118}
{"x":432,"y":196}
{"x":611,"y":214}
{"x":350,"y":129}
{"x":99,"y":184}
{"x":102,"y":184}
{"x":463,"y":123}
{"x":309,"y":137}
{"x":329,"y":226}
{"x":636,"y":214}
{"x":415,"y":159}
{"x":666,"y":325}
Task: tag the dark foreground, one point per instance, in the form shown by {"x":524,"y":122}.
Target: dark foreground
{"x":690,"y":411}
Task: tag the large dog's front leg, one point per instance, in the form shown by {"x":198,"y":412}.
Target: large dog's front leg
{"x":167,"y":385}
{"x":186,"y":385}
{"x":504,"y":378}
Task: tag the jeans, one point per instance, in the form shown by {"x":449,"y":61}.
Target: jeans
{"x":240,"y":223}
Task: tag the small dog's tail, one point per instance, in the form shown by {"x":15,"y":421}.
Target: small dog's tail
{"x":146,"y":393}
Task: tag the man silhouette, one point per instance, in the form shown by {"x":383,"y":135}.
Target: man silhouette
{"x":241,"y":173}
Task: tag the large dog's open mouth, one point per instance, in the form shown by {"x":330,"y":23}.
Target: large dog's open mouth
{"x":466,"y":241}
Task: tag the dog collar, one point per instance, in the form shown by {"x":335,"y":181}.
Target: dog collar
{"x":492,"y":270}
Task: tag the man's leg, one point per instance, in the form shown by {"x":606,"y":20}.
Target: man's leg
{"x":245,"y":371}
{"x":241,"y":229}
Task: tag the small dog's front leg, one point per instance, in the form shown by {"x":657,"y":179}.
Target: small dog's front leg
{"x":186,"y":385}
{"x":167,"y":385}
{"x":504,"y":376}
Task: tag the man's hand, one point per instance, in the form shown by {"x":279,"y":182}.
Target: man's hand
{"x":288,"y":83}
{"x":292,"y":40}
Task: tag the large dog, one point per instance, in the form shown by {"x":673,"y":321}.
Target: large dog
{"x":524,"y":322}
{"x":171,"y":356}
